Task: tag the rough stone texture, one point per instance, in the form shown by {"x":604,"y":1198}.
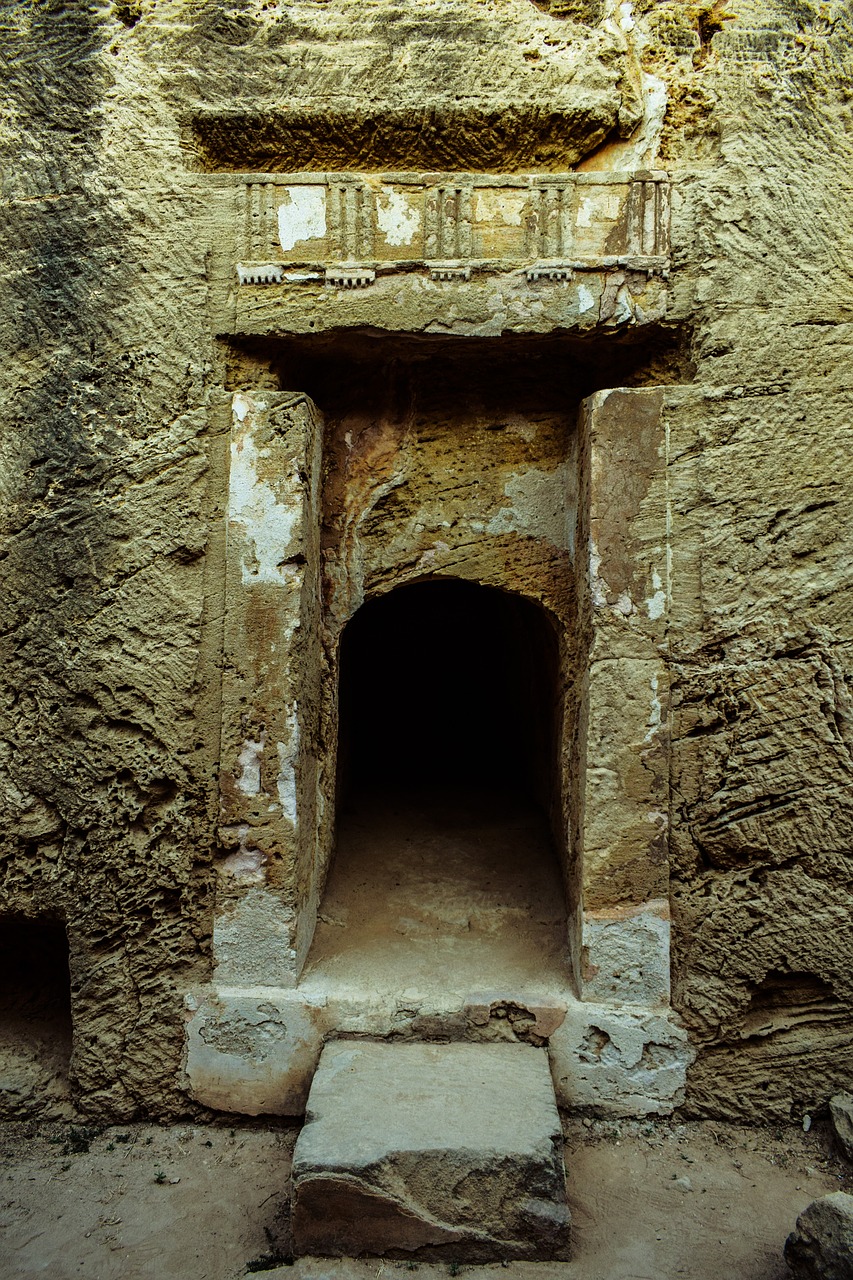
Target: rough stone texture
{"x":841,"y":1115}
{"x":253,"y":1051}
{"x":821,"y":1248}
{"x":118,"y":123}
{"x":431,"y":1151}
{"x":619,"y":1060}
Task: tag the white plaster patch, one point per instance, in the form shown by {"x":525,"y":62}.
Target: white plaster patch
{"x":655,"y":95}
{"x":505,"y":207}
{"x":249,"y":760}
{"x":302,"y":216}
{"x":597,"y":586}
{"x":626,"y":955}
{"x":399,"y":220}
{"x":253,"y":942}
{"x":287,"y":755}
{"x":268,"y":524}
{"x":626,"y":13}
{"x":585,"y":208}
{"x":624,"y":311}
{"x":656,"y":603}
{"x":246,"y":864}
{"x":242,"y":405}
{"x":586,"y":301}
{"x":655,"y":713}
{"x":620,"y":1060}
{"x":642,"y":149}
{"x":538,"y":507}
{"x":599,"y":208}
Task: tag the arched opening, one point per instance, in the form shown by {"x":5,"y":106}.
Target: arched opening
{"x":447,"y":683}
{"x":35,"y":1018}
{"x":445,"y":865}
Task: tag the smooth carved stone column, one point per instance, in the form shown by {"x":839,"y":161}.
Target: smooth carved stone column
{"x":627,"y":765}
{"x":621,"y":1049}
{"x":270,"y":691}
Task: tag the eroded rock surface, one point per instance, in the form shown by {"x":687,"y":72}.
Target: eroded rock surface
{"x":821,"y":1248}
{"x":841,"y":1115}
{"x":116,"y":385}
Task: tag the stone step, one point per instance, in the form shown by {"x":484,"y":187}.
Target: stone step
{"x":431,"y":1151}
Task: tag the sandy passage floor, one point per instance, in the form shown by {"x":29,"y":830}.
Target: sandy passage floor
{"x":649,"y":1201}
{"x":441,"y":893}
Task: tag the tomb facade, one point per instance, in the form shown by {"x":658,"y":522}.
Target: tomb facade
{"x":337,"y":334}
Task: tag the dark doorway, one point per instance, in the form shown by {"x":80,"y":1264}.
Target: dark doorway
{"x":445,"y":875}
{"x":451,"y":684}
{"x":35,"y":1017}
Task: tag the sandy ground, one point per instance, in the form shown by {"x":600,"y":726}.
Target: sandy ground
{"x":441,"y":895}
{"x":649,"y":1201}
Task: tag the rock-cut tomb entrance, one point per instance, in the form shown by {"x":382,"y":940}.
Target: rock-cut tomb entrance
{"x":445,"y":873}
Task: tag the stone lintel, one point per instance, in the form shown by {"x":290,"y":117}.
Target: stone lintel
{"x":470,"y":254}
{"x":463,"y":301}
{"x":509,"y":219}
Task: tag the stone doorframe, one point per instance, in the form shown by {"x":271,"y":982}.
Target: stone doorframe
{"x":254,"y":1035}
{"x":620,"y":1049}
{"x":616,"y":1046}
{"x":273,"y":762}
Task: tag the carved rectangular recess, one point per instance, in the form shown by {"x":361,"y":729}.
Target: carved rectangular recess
{"x":549,"y":225}
{"x":427,"y":138}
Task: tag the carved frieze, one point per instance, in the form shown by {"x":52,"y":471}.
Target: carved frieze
{"x":345,"y":230}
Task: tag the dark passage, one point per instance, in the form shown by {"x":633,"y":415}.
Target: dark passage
{"x":35,"y":1017}
{"x":449,"y":683}
{"x":445,"y":876}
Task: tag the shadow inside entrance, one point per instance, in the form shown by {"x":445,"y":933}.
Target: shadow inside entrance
{"x":445,"y":877}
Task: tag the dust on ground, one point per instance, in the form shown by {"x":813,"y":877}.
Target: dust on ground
{"x":649,"y":1201}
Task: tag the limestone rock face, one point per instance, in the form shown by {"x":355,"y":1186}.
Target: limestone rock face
{"x":122,"y":125}
{"x":431,"y":1151}
{"x":821,"y":1248}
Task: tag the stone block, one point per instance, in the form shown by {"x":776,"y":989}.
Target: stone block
{"x":253,"y":942}
{"x":253,"y":1051}
{"x":620,"y":1061}
{"x":821,"y":1248}
{"x":626,"y":954}
{"x":431,"y":1151}
{"x":626,"y":793}
{"x":841,"y":1114}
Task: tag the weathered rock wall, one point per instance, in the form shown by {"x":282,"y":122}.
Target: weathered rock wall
{"x":109,"y":742}
{"x":114,"y":455}
{"x":761,"y":811}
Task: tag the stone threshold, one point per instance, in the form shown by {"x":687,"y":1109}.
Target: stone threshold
{"x":254,"y":1049}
